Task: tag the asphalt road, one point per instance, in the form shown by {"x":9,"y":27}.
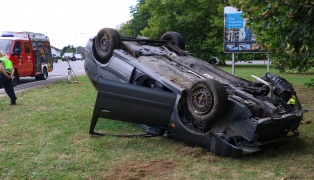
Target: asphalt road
{"x":60,"y":72}
{"x":264,"y":62}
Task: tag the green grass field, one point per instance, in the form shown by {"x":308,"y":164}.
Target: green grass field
{"x":46,"y":137}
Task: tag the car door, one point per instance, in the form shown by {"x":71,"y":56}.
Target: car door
{"x":132,"y":103}
{"x":27,"y":58}
{"x":19,"y":58}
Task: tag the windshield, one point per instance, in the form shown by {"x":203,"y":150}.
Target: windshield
{"x":5,"y":45}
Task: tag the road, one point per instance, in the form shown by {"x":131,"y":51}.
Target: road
{"x":264,"y":62}
{"x":60,"y":71}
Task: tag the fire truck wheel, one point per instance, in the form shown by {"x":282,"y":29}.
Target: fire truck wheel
{"x":43,"y":76}
{"x":15,"y":79}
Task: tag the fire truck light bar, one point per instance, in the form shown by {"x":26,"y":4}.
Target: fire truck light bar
{"x":7,"y":35}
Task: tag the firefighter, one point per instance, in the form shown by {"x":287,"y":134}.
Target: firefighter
{"x":6,"y":73}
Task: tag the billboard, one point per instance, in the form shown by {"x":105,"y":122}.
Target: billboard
{"x":237,"y":37}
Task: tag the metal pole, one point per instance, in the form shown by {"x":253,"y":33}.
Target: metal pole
{"x":76,"y":43}
{"x":268,"y":62}
{"x":233,"y":70}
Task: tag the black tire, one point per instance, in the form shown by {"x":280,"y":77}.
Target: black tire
{"x":207,"y":100}
{"x":43,"y":76}
{"x":213,"y":62}
{"x":106,"y":41}
{"x":15,"y":79}
{"x":175,"y":38}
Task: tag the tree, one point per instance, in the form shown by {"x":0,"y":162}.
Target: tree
{"x":200,"y":22}
{"x":285,"y":28}
{"x":67,"y":48}
{"x":138,"y":22}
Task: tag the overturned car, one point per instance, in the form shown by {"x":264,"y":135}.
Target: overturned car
{"x":157,"y":84}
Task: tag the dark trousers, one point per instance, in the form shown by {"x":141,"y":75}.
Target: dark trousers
{"x":8,"y":87}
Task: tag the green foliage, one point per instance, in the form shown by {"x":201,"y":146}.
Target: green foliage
{"x":200,"y":22}
{"x":67,"y":49}
{"x":137,"y":23}
{"x":284,"y":28}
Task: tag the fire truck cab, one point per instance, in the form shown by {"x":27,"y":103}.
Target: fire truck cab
{"x":29,"y":52}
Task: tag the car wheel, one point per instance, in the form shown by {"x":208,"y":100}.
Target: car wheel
{"x":213,"y":61}
{"x":43,"y":76}
{"x":15,"y":79}
{"x":175,"y":38}
{"x":207,"y":99}
{"x":106,"y":41}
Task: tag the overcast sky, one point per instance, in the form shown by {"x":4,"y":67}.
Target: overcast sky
{"x":65,"y":22}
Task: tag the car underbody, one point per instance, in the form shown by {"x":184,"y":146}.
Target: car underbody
{"x":157,"y":84}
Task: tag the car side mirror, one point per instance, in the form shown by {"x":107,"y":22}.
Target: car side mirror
{"x":17,"y":52}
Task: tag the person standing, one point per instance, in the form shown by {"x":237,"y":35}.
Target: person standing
{"x":6,"y":73}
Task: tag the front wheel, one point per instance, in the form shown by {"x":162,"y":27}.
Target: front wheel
{"x":207,"y":100}
{"x":15,"y":79}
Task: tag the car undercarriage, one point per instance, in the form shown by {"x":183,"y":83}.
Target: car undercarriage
{"x":159,"y":85}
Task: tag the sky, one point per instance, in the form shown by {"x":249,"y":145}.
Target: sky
{"x":65,"y":22}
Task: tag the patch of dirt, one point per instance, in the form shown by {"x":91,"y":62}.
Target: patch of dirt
{"x":199,"y":153}
{"x":132,"y":170}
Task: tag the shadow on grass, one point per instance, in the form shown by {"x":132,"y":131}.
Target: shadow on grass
{"x":296,"y":147}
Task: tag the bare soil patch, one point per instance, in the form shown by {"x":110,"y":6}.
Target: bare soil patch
{"x":132,"y":170}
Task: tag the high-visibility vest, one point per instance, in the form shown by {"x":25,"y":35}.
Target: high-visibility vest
{"x":7,"y":65}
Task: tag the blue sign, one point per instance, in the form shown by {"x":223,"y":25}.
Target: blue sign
{"x":234,"y":20}
{"x":238,"y":38}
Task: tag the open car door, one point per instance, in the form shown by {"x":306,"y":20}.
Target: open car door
{"x":132,"y":103}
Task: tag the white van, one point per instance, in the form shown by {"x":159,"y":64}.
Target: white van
{"x":78,"y":56}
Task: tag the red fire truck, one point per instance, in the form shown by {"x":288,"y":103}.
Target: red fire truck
{"x":30,"y":53}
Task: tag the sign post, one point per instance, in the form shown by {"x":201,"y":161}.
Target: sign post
{"x":237,"y":37}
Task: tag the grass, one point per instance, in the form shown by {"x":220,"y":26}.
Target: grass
{"x":46,"y":137}
{"x":245,"y":71}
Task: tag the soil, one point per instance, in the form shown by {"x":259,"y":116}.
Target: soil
{"x":132,"y":170}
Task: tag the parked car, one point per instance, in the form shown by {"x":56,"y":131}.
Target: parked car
{"x":68,"y":56}
{"x":78,"y":56}
{"x":55,"y":58}
{"x":172,"y":93}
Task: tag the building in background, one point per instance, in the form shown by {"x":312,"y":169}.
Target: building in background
{"x":55,"y":51}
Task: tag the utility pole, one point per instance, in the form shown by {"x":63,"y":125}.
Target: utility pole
{"x":76,"y":43}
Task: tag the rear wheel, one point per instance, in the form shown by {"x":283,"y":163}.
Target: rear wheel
{"x":174,"y":38}
{"x":213,"y":61}
{"x":106,"y":41}
{"x":43,"y":76}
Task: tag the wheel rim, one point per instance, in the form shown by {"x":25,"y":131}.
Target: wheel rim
{"x":202,"y":100}
{"x":104,"y":43}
